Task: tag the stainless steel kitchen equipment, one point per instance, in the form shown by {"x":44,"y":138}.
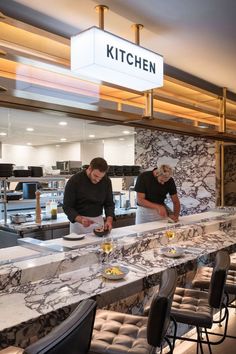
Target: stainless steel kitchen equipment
{"x":69,"y":166}
{"x":20,"y":218}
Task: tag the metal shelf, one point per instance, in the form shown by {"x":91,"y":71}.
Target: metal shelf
{"x":37,"y":179}
{"x":5,"y":180}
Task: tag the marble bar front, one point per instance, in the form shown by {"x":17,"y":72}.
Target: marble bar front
{"x":41,"y":282}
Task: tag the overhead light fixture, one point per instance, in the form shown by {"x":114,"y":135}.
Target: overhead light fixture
{"x":3,"y":134}
{"x":91,"y":136}
{"x":63,"y":139}
{"x":30,"y":129}
{"x":29,"y":144}
{"x":101,"y":55}
{"x":126,"y":132}
{"x":62,"y":123}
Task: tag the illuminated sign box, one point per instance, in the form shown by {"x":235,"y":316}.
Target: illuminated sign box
{"x":101,"y":55}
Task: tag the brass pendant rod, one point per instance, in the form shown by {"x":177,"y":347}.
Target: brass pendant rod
{"x":148,"y":113}
{"x":223,"y":111}
{"x":101,"y":9}
{"x":148,"y":104}
{"x":137,"y":27}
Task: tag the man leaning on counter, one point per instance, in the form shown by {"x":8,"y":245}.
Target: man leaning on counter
{"x":152,"y":188}
{"x":86,"y":194}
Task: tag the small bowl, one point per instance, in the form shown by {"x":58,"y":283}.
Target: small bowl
{"x":108,"y":274}
{"x":100,"y":232}
{"x":172,"y":252}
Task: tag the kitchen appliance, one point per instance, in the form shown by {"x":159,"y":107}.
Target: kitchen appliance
{"x":6,"y":169}
{"x":69,"y":166}
{"x":11,"y":195}
{"x":20,"y":218}
{"x":21,"y":173}
{"x":36,"y":171}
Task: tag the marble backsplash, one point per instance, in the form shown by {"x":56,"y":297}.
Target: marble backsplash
{"x":193,"y":160}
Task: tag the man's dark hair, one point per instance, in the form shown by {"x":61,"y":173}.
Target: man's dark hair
{"x":98,"y":163}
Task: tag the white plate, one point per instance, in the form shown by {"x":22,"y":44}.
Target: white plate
{"x":73,"y":237}
{"x":172,"y":251}
{"x":123,"y":269}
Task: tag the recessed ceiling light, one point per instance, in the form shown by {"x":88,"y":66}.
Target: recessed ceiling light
{"x":58,"y":146}
{"x":91,"y":136}
{"x":30,"y":129}
{"x":62,"y":123}
{"x":63,"y":139}
{"x":3,"y":133}
{"x":29,"y":143}
{"x":126,"y":132}
{"x":121,"y":138}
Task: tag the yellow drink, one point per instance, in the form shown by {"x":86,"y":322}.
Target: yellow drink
{"x":170,"y":234}
{"x":107,"y":247}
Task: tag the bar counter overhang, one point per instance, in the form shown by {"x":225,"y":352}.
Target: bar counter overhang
{"x":41,"y":287}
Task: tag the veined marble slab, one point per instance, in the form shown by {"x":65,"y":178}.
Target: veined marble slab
{"x":11,"y":253}
{"x":39,"y":290}
{"x":86,"y":251}
{"x":30,"y":301}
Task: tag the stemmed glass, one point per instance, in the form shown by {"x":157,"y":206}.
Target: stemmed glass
{"x":170,"y":235}
{"x":107,"y":246}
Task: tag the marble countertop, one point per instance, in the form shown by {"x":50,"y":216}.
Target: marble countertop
{"x":39,"y":286}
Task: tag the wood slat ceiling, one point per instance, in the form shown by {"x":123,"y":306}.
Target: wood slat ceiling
{"x":28,"y":51}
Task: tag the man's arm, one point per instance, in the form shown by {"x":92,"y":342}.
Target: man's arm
{"x":109,"y":207}
{"x":147,"y":204}
{"x":176,"y":207}
{"x":69,"y":200}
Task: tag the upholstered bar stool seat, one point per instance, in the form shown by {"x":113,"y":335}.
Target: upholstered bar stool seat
{"x":120,"y":333}
{"x":233,"y":261}
{"x":203,"y":277}
{"x":192,"y":307}
{"x":12,"y":350}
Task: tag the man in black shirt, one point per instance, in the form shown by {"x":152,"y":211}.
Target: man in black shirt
{"x":86,"y":194}
{"x":152,"y":188}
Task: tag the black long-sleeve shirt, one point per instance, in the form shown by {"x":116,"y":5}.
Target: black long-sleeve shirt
{"x":82,"y":197}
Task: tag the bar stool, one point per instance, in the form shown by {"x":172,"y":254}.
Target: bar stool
{"x":202,"y":281}
{"x":119,"y":333}
{"x":196,"y":308}
{"x":72,"y":336}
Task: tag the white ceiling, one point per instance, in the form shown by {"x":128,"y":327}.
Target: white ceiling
{"x":196,"y":36}
{"x":47,"y":129}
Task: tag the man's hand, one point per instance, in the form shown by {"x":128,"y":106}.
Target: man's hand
{"x":161,"y":210}
{"x":174,"y":217}
{"x":86,"y":222}
{"x":108,"y":223}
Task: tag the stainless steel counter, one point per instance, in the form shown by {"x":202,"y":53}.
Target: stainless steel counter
{"x":28,"y":229}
